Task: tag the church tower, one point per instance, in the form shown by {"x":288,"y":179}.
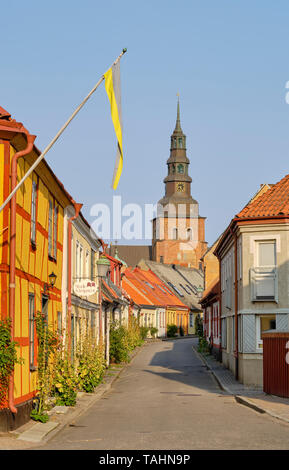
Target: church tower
{"x":178,"y":229}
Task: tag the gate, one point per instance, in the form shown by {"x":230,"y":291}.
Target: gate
{"x":276,"y":363}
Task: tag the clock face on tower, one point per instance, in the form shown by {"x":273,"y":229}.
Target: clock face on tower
{"x":180,"y":187}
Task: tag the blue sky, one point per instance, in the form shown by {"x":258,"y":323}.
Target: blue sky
{"x":229,"y":60}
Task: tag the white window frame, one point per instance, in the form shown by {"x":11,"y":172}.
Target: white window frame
{"x":259,"y":273}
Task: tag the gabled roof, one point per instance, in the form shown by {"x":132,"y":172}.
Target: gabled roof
{"x":274,"y":202}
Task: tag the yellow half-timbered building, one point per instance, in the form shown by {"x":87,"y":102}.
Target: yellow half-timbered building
{"x":31,"y":256}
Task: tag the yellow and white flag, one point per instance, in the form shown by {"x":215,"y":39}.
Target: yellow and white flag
{"x":112,"y":86}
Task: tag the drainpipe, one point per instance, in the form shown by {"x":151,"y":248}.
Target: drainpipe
{"x":16,"y":156}
{"x":236,"y":308}
{"x":77,"y":208}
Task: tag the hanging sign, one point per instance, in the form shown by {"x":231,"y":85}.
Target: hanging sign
{"x":85,"y":287}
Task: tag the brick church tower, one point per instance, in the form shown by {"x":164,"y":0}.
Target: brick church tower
{"x":178,"y":229}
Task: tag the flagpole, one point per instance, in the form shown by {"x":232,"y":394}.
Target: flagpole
{"x":38,"y":160}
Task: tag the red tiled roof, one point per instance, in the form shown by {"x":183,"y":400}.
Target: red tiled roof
{"x":274,"y":202}
{"x":146,"y":288}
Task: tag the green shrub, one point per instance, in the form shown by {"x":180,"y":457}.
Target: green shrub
{"x":90,"y":364}
{"x":144,"y":331}
{"x":199,"y":325}
{"x":8,"y":358}
{"x":118,"y":348}
{"x":48,"y":345}
{"x":153,"y":331}
{"x":65,"y":380}
{"x":203,"y":346}
{"x":123,"y":340}
{"x":172,"y":331}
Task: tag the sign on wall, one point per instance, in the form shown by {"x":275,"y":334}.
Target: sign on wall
{"x":85,"y":287}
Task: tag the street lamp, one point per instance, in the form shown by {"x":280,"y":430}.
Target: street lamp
{"x":103,"y":266}
{"x":200,"y":291}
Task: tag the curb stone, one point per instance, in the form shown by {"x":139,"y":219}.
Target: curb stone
{"x":40,"y":433}
{"x":239,"y":399}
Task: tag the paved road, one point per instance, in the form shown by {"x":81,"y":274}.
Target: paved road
{"x":167,"y":399}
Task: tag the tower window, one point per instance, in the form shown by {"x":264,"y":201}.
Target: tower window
{"x":180,"y":168}
{"x":189,"y":234}
{"x":175,"y":143}
{"x":180,"y":143}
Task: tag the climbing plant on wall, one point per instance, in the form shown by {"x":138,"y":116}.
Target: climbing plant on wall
{"x":8,"y":358}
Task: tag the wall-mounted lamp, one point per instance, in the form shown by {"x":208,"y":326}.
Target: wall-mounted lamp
{"x":103,"y":266}
{"x":52,"y":278}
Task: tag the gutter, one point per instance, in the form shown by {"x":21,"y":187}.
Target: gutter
{"x":12,"y":285}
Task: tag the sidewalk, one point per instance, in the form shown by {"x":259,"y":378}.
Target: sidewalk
{"x":254,"y":398}
{"x":34,"y":433}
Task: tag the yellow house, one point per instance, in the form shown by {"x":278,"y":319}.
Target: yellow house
{"x":31,"y":246}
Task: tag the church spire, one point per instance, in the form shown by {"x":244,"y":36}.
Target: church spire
{"x":178,"y":122}
{"x":178,"y":138}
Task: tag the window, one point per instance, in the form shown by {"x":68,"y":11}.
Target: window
{"x":59,"y":323}
{"x":31,"y":331}
{"x":185,"y":289}
{"x":55,"y":232}
{"x":189,"y":234}
{"x":180,"y":143}
{"x":93,"y":322}
{"x":180,"y":168}
{"x":175,"y":288}
{"x":33,"y":213}
{"x":266,"y":254}
{"x":263,"y":323}
{"x":191,"y":320}
{"x":92,"y":264}
{"x":87,"y":264}
{"x":224,"y":333}
{"x":175,"y":233}
{"x":52,"y":229}
{"x":264,"y":276}
{"x":78,"y":261}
